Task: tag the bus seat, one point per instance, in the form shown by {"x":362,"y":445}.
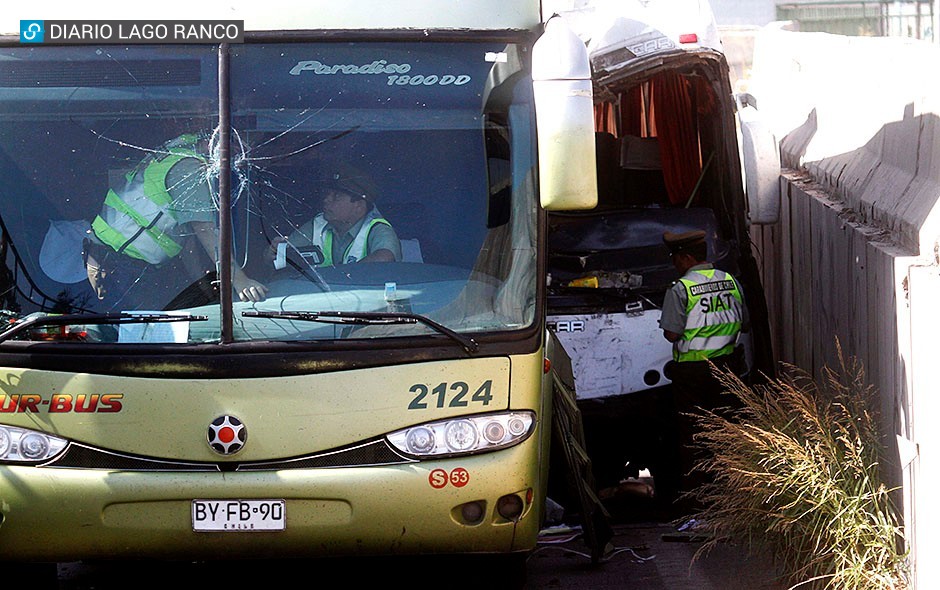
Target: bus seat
{"x":640,"y":153}
{"x":641,"y":162}
{"x":609,"y":173}
{"x":411,"y":250}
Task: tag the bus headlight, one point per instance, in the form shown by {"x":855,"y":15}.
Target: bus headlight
{"x":465,"y":435}
{"x":420,"y":439}
{"x":5,"y":442}
{"x":460,"y":436}
{"x":28,"y":446}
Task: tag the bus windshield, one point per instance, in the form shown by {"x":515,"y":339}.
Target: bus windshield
{"x":364,"y":178}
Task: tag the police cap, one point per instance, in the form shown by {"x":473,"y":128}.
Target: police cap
{"x":352,"y":182}
{"x":679,"y":242}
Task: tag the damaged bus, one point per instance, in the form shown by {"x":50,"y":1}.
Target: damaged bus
{"x":191,"y":371}
{"x":672,"y":143}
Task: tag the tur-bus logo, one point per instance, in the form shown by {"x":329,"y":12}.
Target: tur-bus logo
{"x":59,"y":403}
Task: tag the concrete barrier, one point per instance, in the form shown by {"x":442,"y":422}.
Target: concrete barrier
{"x":855,"y":254}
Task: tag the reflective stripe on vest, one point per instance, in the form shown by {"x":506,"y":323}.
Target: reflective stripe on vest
{"x":324,"y":239}
{"x":138,"y":221}
{"x":714,"y":313}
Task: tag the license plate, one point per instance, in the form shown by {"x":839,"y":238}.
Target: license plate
{"x":239,"y":516}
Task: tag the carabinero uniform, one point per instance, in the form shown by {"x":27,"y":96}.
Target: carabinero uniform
{"x":143,"y":220}
{"x":143,"y":224}
{"x":371,"y":233}
{"x":706,"y":308}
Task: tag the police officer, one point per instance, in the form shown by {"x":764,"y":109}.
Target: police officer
{"x":349,"y":229}
{"x":703,"y":316}
{"x":144,"y":221}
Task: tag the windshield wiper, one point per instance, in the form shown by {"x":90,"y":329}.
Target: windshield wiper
{"x":366,"y":318}
{"x":96,"y":318}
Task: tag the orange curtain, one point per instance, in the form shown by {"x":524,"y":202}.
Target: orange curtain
{"x":636,"y":112}
{"x":604,"y":120}
{"x":678,"y":135}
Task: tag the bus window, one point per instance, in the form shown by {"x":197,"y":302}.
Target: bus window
{"x":409,"y":124}
{"x":83,"y":132}
{"x":111,"y":167}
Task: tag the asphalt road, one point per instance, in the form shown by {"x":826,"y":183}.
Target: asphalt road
{"x":643,"y":559}
{"x":646,"y":552}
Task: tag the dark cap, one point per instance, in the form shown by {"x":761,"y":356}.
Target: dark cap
{"x":351,"y":181}
{"x":679,"y":242}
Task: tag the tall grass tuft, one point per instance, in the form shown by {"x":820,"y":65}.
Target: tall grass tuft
{"x":795,"y":469}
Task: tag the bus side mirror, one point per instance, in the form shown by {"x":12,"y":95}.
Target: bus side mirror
{"x":761,"y":160}
{"x":564,"y":116}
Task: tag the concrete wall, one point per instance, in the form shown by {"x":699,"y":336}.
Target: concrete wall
{"x":855,"y":255}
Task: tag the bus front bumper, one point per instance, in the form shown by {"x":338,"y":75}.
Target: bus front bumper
{"x":443,"y":506}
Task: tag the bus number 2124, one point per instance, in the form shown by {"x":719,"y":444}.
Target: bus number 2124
{"x":450,"y":395}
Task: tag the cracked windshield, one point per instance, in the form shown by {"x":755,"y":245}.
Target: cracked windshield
{"x":376,"y":190}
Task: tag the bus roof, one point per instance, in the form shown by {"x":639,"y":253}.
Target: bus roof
{"x":287,"y":15}
{"x":646,"y":26}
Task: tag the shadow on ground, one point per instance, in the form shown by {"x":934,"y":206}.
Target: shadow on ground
{"x":647,"y":552}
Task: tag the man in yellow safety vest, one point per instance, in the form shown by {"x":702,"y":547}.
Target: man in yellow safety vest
{"x":349,"y":229}
{"x":145,"y":220}
{"x":703,"y":316}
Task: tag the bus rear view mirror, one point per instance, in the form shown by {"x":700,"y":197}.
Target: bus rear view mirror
{"x":564,"y":112}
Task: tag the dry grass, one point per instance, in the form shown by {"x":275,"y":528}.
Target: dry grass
{"x":796,"y":471}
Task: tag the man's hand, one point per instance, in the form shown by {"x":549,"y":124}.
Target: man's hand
{"x":248,"y":289}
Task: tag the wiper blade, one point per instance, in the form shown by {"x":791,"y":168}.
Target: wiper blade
{"x":366,"y":318}
{"x":96,"y":318}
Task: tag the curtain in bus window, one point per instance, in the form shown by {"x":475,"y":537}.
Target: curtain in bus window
{"x":636,"y":112}
{"x":605,"y":120}
{"x":673,"y":97}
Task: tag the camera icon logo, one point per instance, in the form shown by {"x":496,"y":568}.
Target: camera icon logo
{"x":32,"y":31}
